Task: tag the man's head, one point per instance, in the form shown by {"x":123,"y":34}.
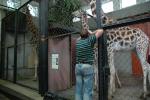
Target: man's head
{"x":84,"y":33}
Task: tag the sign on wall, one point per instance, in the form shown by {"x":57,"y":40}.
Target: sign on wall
{"x":55,"y":61}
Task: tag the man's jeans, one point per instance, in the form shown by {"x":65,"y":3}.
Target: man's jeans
{"x":84,"y":81}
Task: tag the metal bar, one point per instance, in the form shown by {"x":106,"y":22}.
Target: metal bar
{"x":102,"y":57}
{"x":2,"y":50}
{"x":15,"y":48}
{"x":63,"y":34}
{"x":43,"y":47}
{"x":100,"y":67}
{"x":70,"y":59}
{"x":7,"y":65}
{"x":24,"y":49}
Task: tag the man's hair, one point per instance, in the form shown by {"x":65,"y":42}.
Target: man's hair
{"x":84,"y":33}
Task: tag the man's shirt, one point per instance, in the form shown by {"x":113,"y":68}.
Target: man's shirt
{"x":84,"y":50}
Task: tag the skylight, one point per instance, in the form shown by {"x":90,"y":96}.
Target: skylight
{"x":107,"y":7}
{"x":127,"y":3}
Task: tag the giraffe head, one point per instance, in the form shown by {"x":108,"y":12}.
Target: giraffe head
{"x":85,"y":28}
{"x":105,"y":19}
{"x":84,"y":20}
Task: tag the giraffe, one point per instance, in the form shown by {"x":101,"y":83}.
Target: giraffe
{"x":125,"y":38}
{"x":34,"y":38}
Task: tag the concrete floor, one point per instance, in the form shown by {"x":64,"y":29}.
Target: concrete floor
{"x":18,"y":91}
{"x":132,"y":88}
{"x":29,"y":82}
{"x":70,"y":94}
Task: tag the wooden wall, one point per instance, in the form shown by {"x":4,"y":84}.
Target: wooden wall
{"x":136,"y":65}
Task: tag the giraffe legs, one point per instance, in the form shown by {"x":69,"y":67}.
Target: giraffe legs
{"x":141,"y":49}
{"x":96,"y":77}
{"x":113,"y":74}
{"x":118,"y":81}
{"x":35,"y":62}
{"x":145,"y":75}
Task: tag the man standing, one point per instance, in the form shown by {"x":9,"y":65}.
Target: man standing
{"x":84,"y":69}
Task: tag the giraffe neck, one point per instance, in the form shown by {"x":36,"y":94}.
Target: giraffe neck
{"x":32,"y":28}
{"x":84,"y":20}
{"x":104,"y":18}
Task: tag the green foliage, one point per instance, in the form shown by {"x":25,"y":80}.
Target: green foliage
{"x":61,"y":12}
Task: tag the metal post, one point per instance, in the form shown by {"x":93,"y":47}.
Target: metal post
{"x":15,"y":48}
{"x":102,"y":57}
{"x":2,"y":50}
{"x":43,"y":48}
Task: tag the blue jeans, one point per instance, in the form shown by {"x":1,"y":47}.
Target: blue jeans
{"x":84,"y":82}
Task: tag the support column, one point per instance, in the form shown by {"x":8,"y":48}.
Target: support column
{"x":43,"y":47}
{"x":102,"y":58}
{"x":2,"y":49}
{"x":15,"y":48}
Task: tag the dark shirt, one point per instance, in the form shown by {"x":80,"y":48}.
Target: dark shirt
{"x":84,"y":50}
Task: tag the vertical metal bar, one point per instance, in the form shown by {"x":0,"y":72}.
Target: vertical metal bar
{"x":102,"y":56}
{"x":15,"y":48}
{"x":70,"y":60}
{"x":7,"y":64}
{"x":106,"y":68}
{"x":24,"y":49}
{"x":100,"y":67}
{"x":43,"y":49}
{"x":2,"y":49}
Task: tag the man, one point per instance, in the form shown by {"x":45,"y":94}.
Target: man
{"x":84,"y":70}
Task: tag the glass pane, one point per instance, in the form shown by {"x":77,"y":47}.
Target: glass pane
{"x":108,"y":7}
{"x":127,"y":3}
{"x":8,"y":35}
{"x":27,"y":54}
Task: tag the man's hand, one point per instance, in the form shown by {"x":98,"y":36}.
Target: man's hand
{"x":98,"y":33}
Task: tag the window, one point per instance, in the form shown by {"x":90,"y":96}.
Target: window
{"x":33,"y":10}
{"x":107,"y":7}
{"x":127,"y":3}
